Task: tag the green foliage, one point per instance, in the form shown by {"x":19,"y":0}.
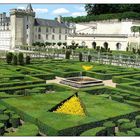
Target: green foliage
{"x":2,"y":129}
{"x":136,"y":131}
{"x":15,"y":120}
{"x":67,"y":54}
{"x":80,"y":57}
{"x":110,"y":128}
{"x":137,"y":118}
{"x":28,"y":59}
{"x":21,"y":58}
{"x":89,"y":58}
{"x":26,"y":129}
{"x":15,"y":60}
{"x":9,"y":57}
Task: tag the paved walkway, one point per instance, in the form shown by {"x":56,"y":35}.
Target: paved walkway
{"x":58,"y":79}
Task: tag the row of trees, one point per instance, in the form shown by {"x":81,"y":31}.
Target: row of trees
{"x":16,"y":59}
{"x":97,"y":9}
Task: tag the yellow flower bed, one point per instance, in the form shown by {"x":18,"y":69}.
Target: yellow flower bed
{"x":87,"y":68}
{"x":71,"y":106}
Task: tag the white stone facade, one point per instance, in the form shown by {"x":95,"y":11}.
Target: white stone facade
{"x":117,"y":34}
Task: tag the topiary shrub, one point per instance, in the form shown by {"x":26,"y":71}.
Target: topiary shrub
{"x":89,"y":58}
{"x":130,"y":133}
{"x":136,"y":131}
{"x":2,"y":130}
{"x":127,"y":126}
{"x":21,"y":58}
{"x":15,"y":120}
{"x":121,"y":121}
{"x":110,"y":128}
{"x":2,"y":109}
{"x":137,"y":118}
{"x":117,"y":98}
{"x":80,"y":57}
{"x":67,"y":55}
{"x":15,"y":60}
{"x":9,"y":57}
{"x":9,"y":113}
{"x":4,"y":119}
{"x":28,"y":59}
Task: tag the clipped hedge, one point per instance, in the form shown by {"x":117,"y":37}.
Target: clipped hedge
{"x":2,"y":130}
{"x":127,"y":126}
{"x":136,"y":131}
{"x":15,"y":120}
{"x":98,"y":131}
{"x":110,"y":128}
{"x":117,"y":98}
{"x":137,"y":118}
{"x":4,"y":119}
{"x":2,"y":109}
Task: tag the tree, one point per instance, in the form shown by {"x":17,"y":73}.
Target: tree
{"x":28,"y":59}
{"x":80,"y":57}
{"x":59,"y":44}
{"x":89,"y":58}
{"x":9,"y":57}
{"x":67,"y":56}
{"x":21,"y":58}
{"x":15,"y":60}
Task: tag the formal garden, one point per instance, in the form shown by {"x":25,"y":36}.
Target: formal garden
{"x":31,"y":105}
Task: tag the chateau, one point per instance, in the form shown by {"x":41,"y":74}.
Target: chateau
{"x":23,"y":28}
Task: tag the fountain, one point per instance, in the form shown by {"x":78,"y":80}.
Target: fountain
{"x":82,"y":81}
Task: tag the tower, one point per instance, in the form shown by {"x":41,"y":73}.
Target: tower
{"x":22,"y":23}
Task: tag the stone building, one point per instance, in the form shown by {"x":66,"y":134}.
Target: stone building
{"x":115,"y":34}
{"x":23,"y":28}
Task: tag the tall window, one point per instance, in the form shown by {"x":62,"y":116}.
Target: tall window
{"x":27,"y":27}
{"x":46,"y":37}
{"x":39,"y":36}
{"x":59,"y":37}
{"x":65,"y":37}
{"x":53,"y":37}
{"x":65,"y":31}
{"x":27,"y":18}
{"x":53,"y":30}
{"x":60,"y":30}
{"x":39,"y":29}
{"x":47,"y":30}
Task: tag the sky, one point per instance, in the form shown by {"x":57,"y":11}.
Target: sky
{"x":49,"y":11}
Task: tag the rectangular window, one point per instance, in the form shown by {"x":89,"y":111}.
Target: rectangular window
{"x":53,"y":37}
{"x":65,"y":37}
{"x":46,"y":37}
{"x":47,"y":30}
{"x":53,"y":30}
{"x":60,"y":30}
{"x":65,"y":31}
{"x":39,"y":29}
{"x":39,"y":36}
{"x":59,"y":37}
{"x":27,"y":27}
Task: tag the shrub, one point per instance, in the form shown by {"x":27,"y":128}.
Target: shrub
{"x":2,"y":109}
{"x":15,"y":61}
{"x":4,"y":119}
{"x":89,"y":58}
{"x":9,"y":57}
{"x":136,"y":131}
{"x":2,"y":130}
{"x":21,"y":58}
{"x":121,"y":121}
{"x":67,"y":54}
{"x":110,"y":127}
{"x":137,"y":118}
{"x":80,"y":57}
{"x":130,"y":133}
{"x":26,"y":129}
{"x":28,"y":59}
{"x":127,"y":126}
{"x":15,"y":120}
{"x":117,"y":98}
{"x":9,"y":113}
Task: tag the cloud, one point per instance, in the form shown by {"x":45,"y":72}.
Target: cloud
{"x":81,"y":8}
{"x":61,"y":11}
{"x":38,"y":10}
{"x":75,"y":14}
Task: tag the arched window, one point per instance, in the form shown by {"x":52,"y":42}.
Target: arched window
{"x":83,"y":43}
{"x":94,"y":45}
{"x":105,"y":45}
{"x":118,"y":46}
{"x":39,"y":29}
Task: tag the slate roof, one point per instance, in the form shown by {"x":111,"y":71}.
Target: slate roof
{"x":50,"y":23}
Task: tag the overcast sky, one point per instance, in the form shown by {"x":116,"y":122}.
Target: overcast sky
{"x":49,"y":11}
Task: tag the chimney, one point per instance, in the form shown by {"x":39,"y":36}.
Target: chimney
{"x":59,"y":19}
